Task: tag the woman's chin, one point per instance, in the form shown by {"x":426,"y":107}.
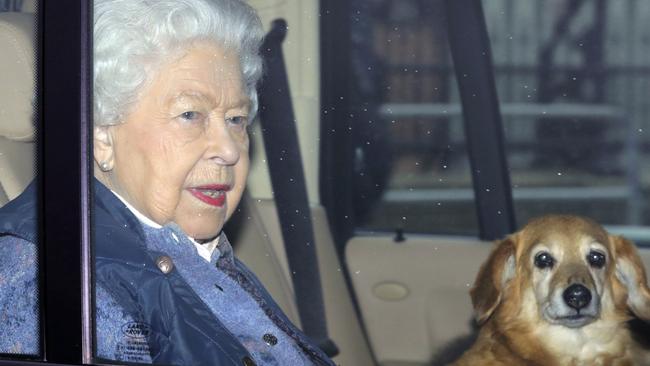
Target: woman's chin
{"x":202,"y":229}
{"x":205,"y":237}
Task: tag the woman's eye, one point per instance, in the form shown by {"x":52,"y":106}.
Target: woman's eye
{"x":238,"y":120}
{"x":596,"y":259}
{"x":544,"y":260}
{"x":190,"y":115}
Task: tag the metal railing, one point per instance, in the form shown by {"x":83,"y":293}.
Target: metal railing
{"x":630,"y":191}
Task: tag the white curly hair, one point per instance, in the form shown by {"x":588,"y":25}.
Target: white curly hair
{"x":132,"y":38}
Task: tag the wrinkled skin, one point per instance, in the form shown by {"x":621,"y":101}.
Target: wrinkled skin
{"x":188,"y":129}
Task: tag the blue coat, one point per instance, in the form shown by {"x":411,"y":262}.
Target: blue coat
{"x":181,"y":329}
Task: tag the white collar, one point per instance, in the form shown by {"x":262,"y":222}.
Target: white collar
{"x":205,"y":250}
{"x":143,"y":219}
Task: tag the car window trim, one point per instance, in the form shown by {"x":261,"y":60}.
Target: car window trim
{"x":64,"y":176}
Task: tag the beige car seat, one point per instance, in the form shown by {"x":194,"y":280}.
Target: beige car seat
{"x":17,"y":103}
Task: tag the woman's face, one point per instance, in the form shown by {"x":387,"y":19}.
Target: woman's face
{"x":181,"y":154}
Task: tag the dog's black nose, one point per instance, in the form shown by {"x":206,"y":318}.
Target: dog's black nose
{"x":577,"y":296}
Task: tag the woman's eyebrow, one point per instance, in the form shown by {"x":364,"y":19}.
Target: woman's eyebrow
{"x":243,"y":102}
{"x":193,"y":95}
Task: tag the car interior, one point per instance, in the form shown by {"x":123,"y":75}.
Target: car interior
{"x":17,"y":137}
{"x":391,"y":298}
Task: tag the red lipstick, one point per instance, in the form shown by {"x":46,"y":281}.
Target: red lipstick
{"x":212,"y":194}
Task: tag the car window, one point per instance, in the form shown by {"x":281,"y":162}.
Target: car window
{"x":572,"y":78}
{"x":410,"y":169}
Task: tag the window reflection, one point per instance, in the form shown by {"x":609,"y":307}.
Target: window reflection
{"x":19,"y":285}
{"x":410,"y":160}
{"x":572,"y":96}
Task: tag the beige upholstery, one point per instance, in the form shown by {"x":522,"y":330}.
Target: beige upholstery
{"x":301,"y":54}
{"x":29,"y":6}
{"x":17,"y":76}
{"x":414,"y":294}
{"x":258,"y":243}
{"x":17,"y":97}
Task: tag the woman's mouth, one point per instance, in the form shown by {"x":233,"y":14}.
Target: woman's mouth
{"x":212,"y":194}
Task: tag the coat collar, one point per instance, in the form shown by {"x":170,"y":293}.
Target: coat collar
{"x":19,"y":216}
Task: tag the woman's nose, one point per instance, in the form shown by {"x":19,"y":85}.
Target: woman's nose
{"x":223,"y":147}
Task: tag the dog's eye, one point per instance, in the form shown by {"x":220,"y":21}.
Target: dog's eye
{"x":544,"y":260}
{"x":596,"y":259}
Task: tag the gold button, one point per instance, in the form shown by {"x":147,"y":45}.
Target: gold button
{"x":165,"y":264}
{"x":247,"y":361}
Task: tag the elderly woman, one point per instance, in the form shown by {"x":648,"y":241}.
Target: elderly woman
{"x":174,"y":94}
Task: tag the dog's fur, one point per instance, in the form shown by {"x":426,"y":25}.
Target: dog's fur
{"x":524,"y":317}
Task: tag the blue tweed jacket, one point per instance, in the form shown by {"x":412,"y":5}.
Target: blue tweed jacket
{"x":198,"y":313}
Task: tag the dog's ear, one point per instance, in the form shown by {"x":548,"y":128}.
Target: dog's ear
{"x":631,"y":273}
{"x":492,"y":278}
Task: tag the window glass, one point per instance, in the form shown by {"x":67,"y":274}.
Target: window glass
{"x":19,"y":284}
{"x":410,"y":161}
{"x":572,"y":78}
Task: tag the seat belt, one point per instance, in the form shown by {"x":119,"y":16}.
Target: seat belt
{"x":289,"y":189}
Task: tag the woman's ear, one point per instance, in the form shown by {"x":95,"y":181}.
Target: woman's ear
{"x":491,"y":279}
{"x":631,"y":273}
{"x":103,"y":148}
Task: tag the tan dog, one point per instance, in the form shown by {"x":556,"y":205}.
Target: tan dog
{"x":559,"y":292}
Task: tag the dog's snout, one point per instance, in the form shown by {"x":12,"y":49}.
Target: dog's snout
{"x":577,"y":296}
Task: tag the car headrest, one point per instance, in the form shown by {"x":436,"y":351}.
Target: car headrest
{"x":17,"y":76}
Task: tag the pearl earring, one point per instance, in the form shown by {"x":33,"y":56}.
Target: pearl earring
{"x":104,"y":166}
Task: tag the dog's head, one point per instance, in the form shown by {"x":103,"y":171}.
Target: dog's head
{"x":562,"y":270}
